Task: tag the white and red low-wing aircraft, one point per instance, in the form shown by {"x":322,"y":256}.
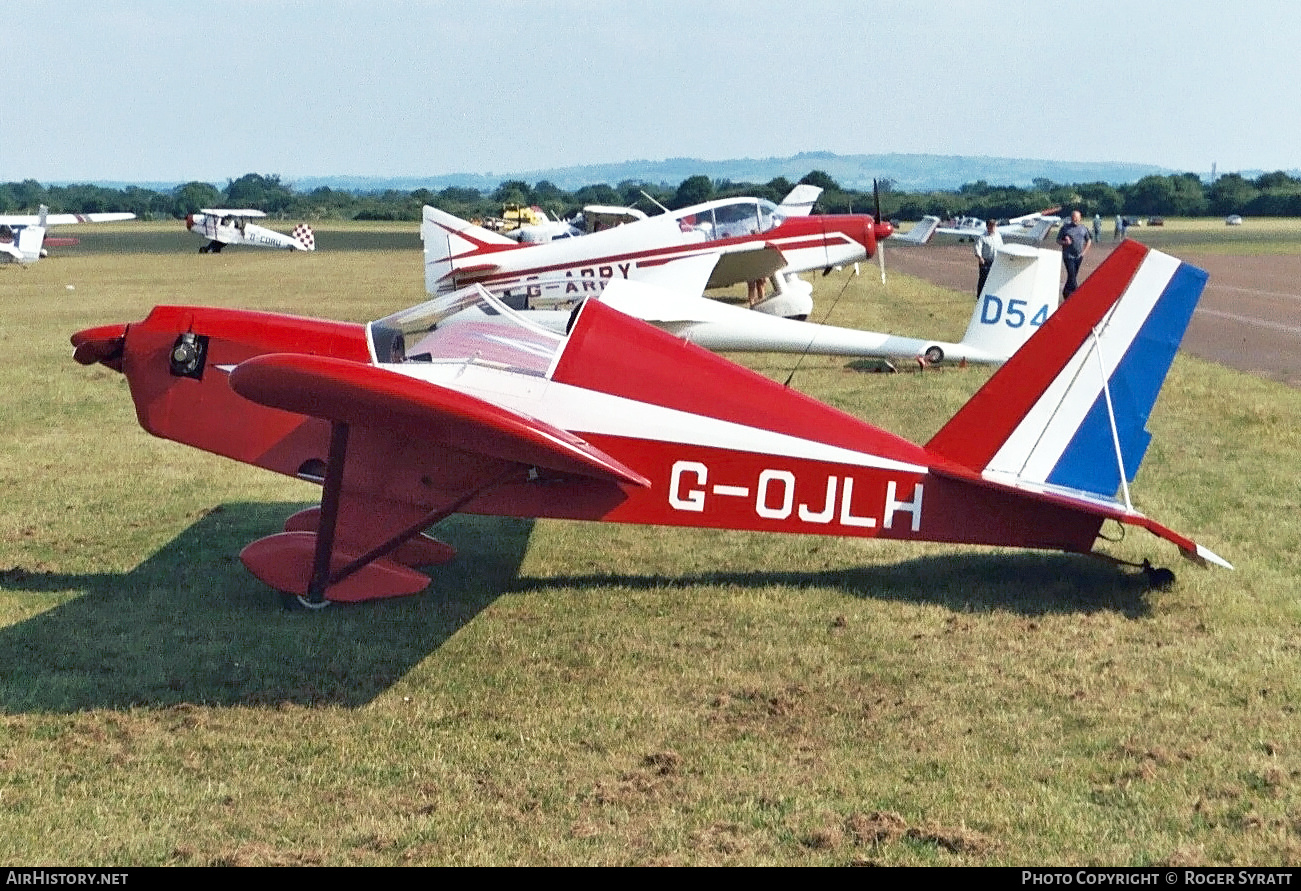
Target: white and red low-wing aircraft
{"x":23,"y":239}
{"x":711,"y":245}
{"x":223,"y":226}
{"x":410,"y":419}
{"x":1020,"y":294}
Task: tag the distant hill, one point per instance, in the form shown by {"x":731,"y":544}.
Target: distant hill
{"x":907,"y":172}
{"x":911,"y":173}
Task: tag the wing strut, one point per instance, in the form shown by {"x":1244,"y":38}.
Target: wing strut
{"x":322,"y":577}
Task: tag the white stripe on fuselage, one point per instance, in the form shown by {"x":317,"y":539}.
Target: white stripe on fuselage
{"x":1037,"y":443}
{"x":585,"y":412}
{"x":833,"y":246}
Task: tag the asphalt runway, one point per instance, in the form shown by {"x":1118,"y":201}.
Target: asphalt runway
{"x":1249,"y":317}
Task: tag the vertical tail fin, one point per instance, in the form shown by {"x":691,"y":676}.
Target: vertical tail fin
{"x":452,"y":246}
{"x":30,"y":240}
{"x":1070,"y":407}
{"x":304,"y":235}
{"x":1039,"y":231}
{"x":920,"y":233}
{"x":1019,"y":296}
{"x":800,"y":201}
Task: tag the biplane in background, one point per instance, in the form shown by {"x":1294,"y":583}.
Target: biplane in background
{"x":418,"y":416}
{"x":225,"y":226}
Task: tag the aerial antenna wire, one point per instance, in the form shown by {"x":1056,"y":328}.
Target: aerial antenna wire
{"x":814,"y":338}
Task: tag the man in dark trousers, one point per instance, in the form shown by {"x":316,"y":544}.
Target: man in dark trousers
{"x":1075,"y":239}
{"x":987,"y":246}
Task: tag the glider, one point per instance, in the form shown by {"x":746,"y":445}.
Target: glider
{"x":414,"y":417}
{"x":1020,"y":294}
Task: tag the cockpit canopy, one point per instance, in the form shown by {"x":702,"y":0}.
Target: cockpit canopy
{"x":731,"y":218}
{"x":465,"y":326}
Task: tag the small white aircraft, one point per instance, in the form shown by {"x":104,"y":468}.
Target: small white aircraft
{"x":223,"y":226}
{"x":1020,"y":294}
{"x":22,"y":236}
{"x":710,"y":245}
{"x":592,"y":218}
{"x":1031,"y":228}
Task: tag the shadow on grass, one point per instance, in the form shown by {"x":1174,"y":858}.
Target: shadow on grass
{"x":1025,"y":583}
{"x":189,"y":624}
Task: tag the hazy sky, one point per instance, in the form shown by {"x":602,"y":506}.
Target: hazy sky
{"x":158,"y":90}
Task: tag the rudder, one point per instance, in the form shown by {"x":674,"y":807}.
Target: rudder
{"x":1046,"y":417}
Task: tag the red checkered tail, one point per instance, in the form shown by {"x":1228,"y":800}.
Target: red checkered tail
{"x":304,"y":236}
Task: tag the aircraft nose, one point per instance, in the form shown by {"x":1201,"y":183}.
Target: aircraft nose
{"x":882,"y":229}
{"x":103,"y":345}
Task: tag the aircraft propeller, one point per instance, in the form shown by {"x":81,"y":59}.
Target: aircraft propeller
{"x":883,"y":230}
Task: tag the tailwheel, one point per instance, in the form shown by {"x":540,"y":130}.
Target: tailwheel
{"x":1158,"y":577}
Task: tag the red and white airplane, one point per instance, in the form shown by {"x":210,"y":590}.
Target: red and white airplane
{"x":711,"y":245}
{"x":223,"y":226}
{"x":23,"y":239}
{"x":409,"y":419}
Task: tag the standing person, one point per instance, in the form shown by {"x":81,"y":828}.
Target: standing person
{"x":1119,"y":229}
{"x":987,"y":245}
{"x":1075,"y":239}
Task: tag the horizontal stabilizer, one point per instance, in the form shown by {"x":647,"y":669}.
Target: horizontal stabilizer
{"x":384,"y":399}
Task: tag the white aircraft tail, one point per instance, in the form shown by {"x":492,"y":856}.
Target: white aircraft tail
{"x":1040,"y":230}
{"x":800,"y":201}
{"x":920,"y":233}
{"x":1019,"y":296}
{"x":451,"y":246}
{"x":29,"y":243}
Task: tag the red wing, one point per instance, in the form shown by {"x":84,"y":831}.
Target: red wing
{"x":371,"y":397}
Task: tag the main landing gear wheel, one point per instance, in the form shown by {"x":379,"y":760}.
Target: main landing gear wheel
{"x":296,"y":603}
{"x":934,"y":356}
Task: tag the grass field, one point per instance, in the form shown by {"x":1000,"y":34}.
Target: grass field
{"x":575,"y":693}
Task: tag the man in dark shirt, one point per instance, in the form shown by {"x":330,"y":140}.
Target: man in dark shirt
{"x":1075,"y":239}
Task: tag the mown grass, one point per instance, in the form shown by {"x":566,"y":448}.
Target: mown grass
{"x":575,"y":693}
{"x":1256,"y":236}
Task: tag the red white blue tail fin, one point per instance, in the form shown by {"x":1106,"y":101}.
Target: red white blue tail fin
{"x":1069,"y":409}
{"x":1066,"y":415}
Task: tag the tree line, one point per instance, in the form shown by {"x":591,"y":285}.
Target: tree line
{"x":1183,"y":195}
